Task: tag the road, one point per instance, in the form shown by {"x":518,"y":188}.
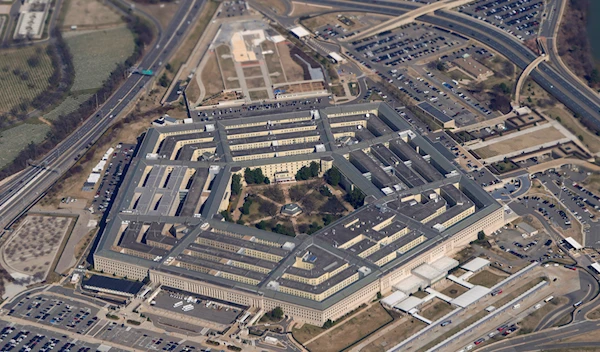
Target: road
{"x":565,"y":89}
{"x":18,"y":194}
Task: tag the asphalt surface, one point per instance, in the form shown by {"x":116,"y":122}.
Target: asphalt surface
{"x":567,"y":90}
{"x":18,"y":194}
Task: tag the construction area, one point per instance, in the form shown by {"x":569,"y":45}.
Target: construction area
{"x":249,"y":61}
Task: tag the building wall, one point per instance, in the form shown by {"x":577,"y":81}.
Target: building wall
{"x":301,"y":313}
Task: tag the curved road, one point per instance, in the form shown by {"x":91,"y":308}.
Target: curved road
{"x":567,"y":90}
{"x":18,"y":194}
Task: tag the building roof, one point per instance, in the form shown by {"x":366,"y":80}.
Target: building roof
{"x":527,"y":228}
{"x":113,"y":284}
{"x":471,"y":296}
{"x":571,"y":241}
{"x":475,"y":264}
{"x":409,"y":303}
{"x":394,"y":298}
{"x":300,"y":31}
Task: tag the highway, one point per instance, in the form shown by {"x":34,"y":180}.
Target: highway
{"x":18,"y":194}
{"x":567,"y":90}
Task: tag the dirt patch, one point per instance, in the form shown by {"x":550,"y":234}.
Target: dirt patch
{"x":293,"y":71}
{"x":211,"y":76}
{"x":454,"y":290}
{"x":531,"y":321}
{"x":436,"y":309}
{"x":352,"y":330}
{"x":528,"y":140}
{"x":408,"y":327}
{"x":34,"y":245}
{"x":486,"y":278}
{"x":259,"y":95}
{"x":255,"y":83}
{"x":277,"y":6}
{"x":566,"y":119}
{"x":307,"y":332}
{"x":90,"y":14}
{"x":163,"y":12}
{"x":252,"y":71}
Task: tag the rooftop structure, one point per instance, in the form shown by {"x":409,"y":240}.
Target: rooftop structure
{"x":166,"y":222}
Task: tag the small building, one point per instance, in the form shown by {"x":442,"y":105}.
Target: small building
{"x":112,"y":286}
{"x":409,"y":304}
{"x":471,"y":296}
{"x":429,"y":274}
{"x":528,"y":229}
{"x":291,"y":209}
{"x":473,"y":68}
{"x":337,"y":57}
{"x":571,"y":241}
{"x":411,"y":284}
{"x":394,"y":299}
{"x":476,"y":265}
{"x":300,"y":32}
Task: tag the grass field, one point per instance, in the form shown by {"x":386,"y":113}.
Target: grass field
{"x":528,"y":140}
{"x":15,"y":139}
{"x":89,"y":14}
{"x":352,"y":330}
{"x":92,"y":65}
{"x":70,"y":104}
{"x":486,"y":278}
{"x":18,"y":80}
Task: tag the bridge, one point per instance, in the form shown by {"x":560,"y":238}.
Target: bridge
{"x":409,"y":17}
{"x":524,"y":76}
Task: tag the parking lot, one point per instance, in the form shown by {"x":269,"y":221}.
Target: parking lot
{"x":143,"y":339}
{"x":28,"y":338}
{"x":201,"y":307}
{"x":520,"y":18}
{"x":411,"y":42}
{"x":112,"y":176}
{"x":233,"y":8}
{"x":534,"y":247}
{"x":62,"y":313}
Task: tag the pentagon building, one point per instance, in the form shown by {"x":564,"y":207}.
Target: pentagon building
{"x":165,"y":224}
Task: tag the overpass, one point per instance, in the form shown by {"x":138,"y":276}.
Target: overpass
{"x":409,"y":17}
{"x":524,"y":76}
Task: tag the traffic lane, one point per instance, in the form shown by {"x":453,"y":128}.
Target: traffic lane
{"x":115,"y":100}
{"x":584,"y":294}
{"x":532,"y":342}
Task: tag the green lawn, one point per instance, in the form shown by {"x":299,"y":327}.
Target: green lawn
{"x":14,"y":139}
{"x":92,"y":65}
{"x":18,"y":79}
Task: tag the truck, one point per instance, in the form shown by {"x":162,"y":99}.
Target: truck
{"x":178,"y":304}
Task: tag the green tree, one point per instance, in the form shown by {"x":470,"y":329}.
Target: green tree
{"x":314,"y":169}
{"x":333,"y":176}
{"x":163,"y":80}
{"x":356,"y":198}
{"x":303,"y":174}
{"x":481,"y":236}
{"x":262,"y":225}
{"x":328,"y":324}
{"x":236,"y":184}
{"x":277,"y":313}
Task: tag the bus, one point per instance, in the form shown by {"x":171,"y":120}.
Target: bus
{"x":577,"y":304}
{"x":549,"y":299}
